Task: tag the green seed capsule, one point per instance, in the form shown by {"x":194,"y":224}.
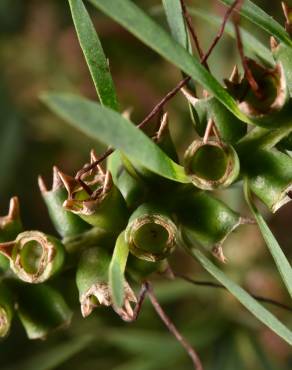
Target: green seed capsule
{"x":41,"y":310}
{"x":66,"y":223}
{"x":34,"y":256}
{"x":6,"y":309}
{"x":207,"y":221}
{"x":10,"y":227}
{"x":211,"y":165}
{"x":230,"y":128}
{"x":92,"y":280}
{"x":269,"y":176}
{"x":151,"y":234}
{"x":104,"y":207}
{"x":269,"y":105}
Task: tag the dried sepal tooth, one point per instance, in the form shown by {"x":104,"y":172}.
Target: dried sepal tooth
{"x":235,"y":76}
{"x":66,"y":223}
{"x":283,"y":56}
{"x":151,"y":234}
{"x":162,"y":128}
{"x":287,"y":10}
{"x":273,"y":44}
{"x":229,"y":128}
{"x":93,"y":285}
{"x":34,"y":256}
{"x":10,"y":225}
{"x":70,"y":183}
{"x":102,"y":207}
{"x":268,"y":106}
{"x":127,"y":113}
{"x":189,"y":95}
{"x":217,"y":251}
{"x":211,"y":165}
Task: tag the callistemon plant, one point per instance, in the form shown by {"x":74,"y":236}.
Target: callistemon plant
{"x":144,"y":204}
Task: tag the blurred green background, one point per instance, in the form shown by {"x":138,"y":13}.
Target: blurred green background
{"x":39,"y":52}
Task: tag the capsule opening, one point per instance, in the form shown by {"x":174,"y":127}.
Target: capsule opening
{"x":30,"y":256}
{"x":151,"y":237}
{"x":209,"y":162}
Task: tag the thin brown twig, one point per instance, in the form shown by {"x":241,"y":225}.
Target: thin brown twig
{"x":171,"y":327}
{"x":155,"y":110}
{"x":249,"y":76}
{"x":193,"y":33}
{"x":141,"y":298}
{"x":163,"y":101}
{"x":92,"y":165}
{"x":222,"y":28}
{"x":211,"y":284}
{"x":168,"y":96}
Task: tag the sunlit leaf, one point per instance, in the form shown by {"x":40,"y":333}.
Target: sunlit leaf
{"x":130,"y":16}
{"x":94,"y":54}
{"x":111,"y":128}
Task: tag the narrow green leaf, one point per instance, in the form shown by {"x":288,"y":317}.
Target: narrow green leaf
{"x":111,"y":128}
{"x":176,"y":22}
{"x":260,"y":137}
{"x":259,"y":17}
{"x":131,"y":17}
{"x":249,"y":41}
{"x":260,"y":312}
{"x":94,"y":54}
{"x":281,"y":261}
{"x":117,"y":270}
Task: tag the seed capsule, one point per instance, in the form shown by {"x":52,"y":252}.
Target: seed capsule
{"x":41,"y":310}
{"x":66,"y":223}
{"x":230,"y":128}
{"x":206,"y":221}
{"x":269,"y":176}
{"x":100,"y":205}
{"x":34,"y":256}
{"x":151,"y":234}
{"x":269,"y":105}
{"x":93,"y":284}
{"x":211,"y":165}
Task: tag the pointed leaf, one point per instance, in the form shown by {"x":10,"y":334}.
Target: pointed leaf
{"x":108,"y":126}
{"x":94,"y":54}
{"x":280,"y":259}
{"x":176,"y":22}
{"x":131,"y":17}
{"x":117,"y":270}
{"x":260,"y":312}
